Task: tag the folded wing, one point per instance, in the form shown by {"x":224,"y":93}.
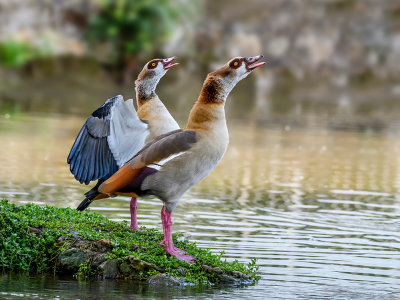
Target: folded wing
{"x":159,"y":149}
{"x":109,"y":138}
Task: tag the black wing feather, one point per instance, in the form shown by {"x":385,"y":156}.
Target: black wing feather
{"x":97,"y":157}
{"x":90,"y":157}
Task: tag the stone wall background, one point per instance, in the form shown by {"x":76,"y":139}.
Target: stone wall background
{"x":331,"y":60}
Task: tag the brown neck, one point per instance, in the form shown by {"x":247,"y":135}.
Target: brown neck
{"x":211,"y":92}
{"x":209,"y":107}
{"x":140,"y":100}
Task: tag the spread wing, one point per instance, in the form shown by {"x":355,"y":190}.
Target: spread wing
{"x":159,"y":149}
{"x":109,"y":138}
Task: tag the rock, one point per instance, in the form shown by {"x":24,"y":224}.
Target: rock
{"x":70,"y":260}
{"x":97,"y":258}
{"x":133,"y":266}
{"x":163,"y":281}
{"x":109,"y":268}
{"x":102,"y":245}
{"x":229,"y":277}
{"x":105,"y":243}
{"x":35,"y":231}
{"x":94,"y":253}
{"x":105,"y":257}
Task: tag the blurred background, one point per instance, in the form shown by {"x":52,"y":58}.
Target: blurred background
{"x":310,"y":183}
{"x":335,"y":63}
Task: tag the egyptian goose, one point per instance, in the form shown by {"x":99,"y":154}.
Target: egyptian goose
{"x":185,"y":156}
{"x":114,"y":133}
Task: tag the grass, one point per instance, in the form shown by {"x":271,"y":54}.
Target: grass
{"x":21,"y":250}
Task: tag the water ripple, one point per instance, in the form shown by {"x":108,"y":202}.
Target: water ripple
{"x":322,"y":224}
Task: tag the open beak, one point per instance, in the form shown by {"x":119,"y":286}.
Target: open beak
{"x":252,"y":62}
{"x":167,"y":62}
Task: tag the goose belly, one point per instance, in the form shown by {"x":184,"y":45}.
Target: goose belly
{"x":179,"y":174}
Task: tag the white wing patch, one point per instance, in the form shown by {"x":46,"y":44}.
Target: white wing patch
{"x":127,"y":132}
{"x":161,"y":163}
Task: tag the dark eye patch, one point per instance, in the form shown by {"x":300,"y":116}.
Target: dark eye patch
{"x":236,"y":63}
{"x":152,"y":65}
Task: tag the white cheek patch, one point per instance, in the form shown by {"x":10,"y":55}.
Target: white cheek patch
{"x":228,"y":83}
{"x":242,"y":71}
{"x":160,"y":69}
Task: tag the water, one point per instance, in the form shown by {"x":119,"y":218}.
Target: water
{"x":318,"y":208}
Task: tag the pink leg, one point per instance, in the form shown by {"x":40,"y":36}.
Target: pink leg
{"x":166,"y":218}
{"x":133,"y":205}
{"x":163,"y":217}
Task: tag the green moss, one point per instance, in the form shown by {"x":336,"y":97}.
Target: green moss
{"x":22,"y":250}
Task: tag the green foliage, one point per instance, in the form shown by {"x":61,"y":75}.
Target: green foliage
{"x":86,"y":271}
{"x":130,"y":27}
{"x":14,"y":53}
{"x":22,"y":250}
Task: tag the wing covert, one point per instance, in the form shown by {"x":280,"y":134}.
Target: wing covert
{"x":92,"y":156}
{"x":160,"y":148}
{"x":163,"y":147}
{"x":127,"y":132}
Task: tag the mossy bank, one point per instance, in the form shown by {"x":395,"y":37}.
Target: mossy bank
{"x":88,"y":245}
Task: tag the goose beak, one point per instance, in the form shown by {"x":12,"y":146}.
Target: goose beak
{"x":252,"y":62}
{"x":167,"y":63}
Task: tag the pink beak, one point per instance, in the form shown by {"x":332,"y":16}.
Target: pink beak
{"x":167,"y":62}
{"x":252,"y":62}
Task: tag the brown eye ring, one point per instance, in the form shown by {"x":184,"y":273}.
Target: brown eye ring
{"x":152,"y":64}
{"x":235,"y":63}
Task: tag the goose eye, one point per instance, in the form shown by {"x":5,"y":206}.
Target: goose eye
{"x":235,"y":64}
{"x":152,"y":64}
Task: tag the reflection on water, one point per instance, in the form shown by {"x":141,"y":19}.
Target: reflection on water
{"x":319,"y":209}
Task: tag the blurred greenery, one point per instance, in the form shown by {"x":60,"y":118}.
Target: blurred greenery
{"x":15,"y":53}
{"x":127,"y":28}
{"x":322,"y":63}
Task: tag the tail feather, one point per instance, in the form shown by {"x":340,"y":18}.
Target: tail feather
{"x":90,"y":196}
{"x":84,"y":204}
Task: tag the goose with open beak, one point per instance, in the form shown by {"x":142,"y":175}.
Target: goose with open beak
{"x":172,"y":163}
